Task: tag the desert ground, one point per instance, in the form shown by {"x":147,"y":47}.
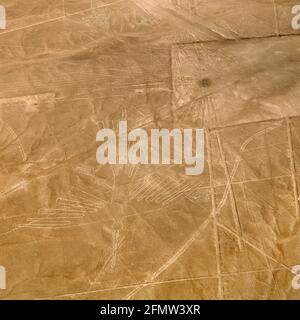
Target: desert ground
{"x":73,"y":229}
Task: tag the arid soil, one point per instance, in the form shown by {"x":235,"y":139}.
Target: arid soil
{"x":73,"y":229}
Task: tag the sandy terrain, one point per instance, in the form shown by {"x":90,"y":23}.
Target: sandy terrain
{"x":73,"y":229}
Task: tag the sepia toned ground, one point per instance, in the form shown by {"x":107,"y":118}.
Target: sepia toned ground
{"x":73,"y":229}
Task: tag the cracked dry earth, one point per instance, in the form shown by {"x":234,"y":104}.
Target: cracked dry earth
{"x":73,"y":229}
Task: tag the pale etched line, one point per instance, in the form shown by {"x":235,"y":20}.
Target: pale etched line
{"x":238,"y":160}
{"x":87,"y":198}
{"x":259,"y":133}
{"x":162,"y":191}
{"x":260,"y":230}
{"x":19,"y":186}
{"x":146,"y":11}
{"x":140,"y":186}
{"x":177,"y":193}
{"x":296,"y":135}
{"x":71,"y":209}
{"x":169,"y":191}
{"x":5,"y":135}
{"x":13,"y":217}
{"x":293,"y":166}
{"x":73,"y":205}
{"x":80,"y":209}
{"x":215,"y":219}
{"x":48,"y":226}
{"x":253,"y":246}
{"x":60,"y":217}
{"x":10,"y":231}
{"x":33,"y":25}
{"x":48,"y":222}
{"x":116,"y":245}
{"x":159,"y":283}
{"x":146,"y":124}
{"x":277,"y":288}
{"x":257,"y":180}
{"x":49,"y":213}
{"x":101,"y":184}
{"x":272,"y":207}
{"x":61,"y":211}
{"x":277,"y":30}
{"x":192,"y":189}
{"x":172,"y":260}
{"x":61,"y":17}
{"x":265,"y":203}
{"x":154,"y":188}
{"x":58,"y":142}
{"x":228,"y":183}
{"x":64,"y":8}
{"x":225,"y":194}
{"x":111,"y":259}
{"x":149,"y":183}
{"x":45,"y":221}
{"x":41,"y":97}
{"x":231,"y":193}
{"x":251,"y":122}
{"x":65,"y":227}
{"x":16,"y":137}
